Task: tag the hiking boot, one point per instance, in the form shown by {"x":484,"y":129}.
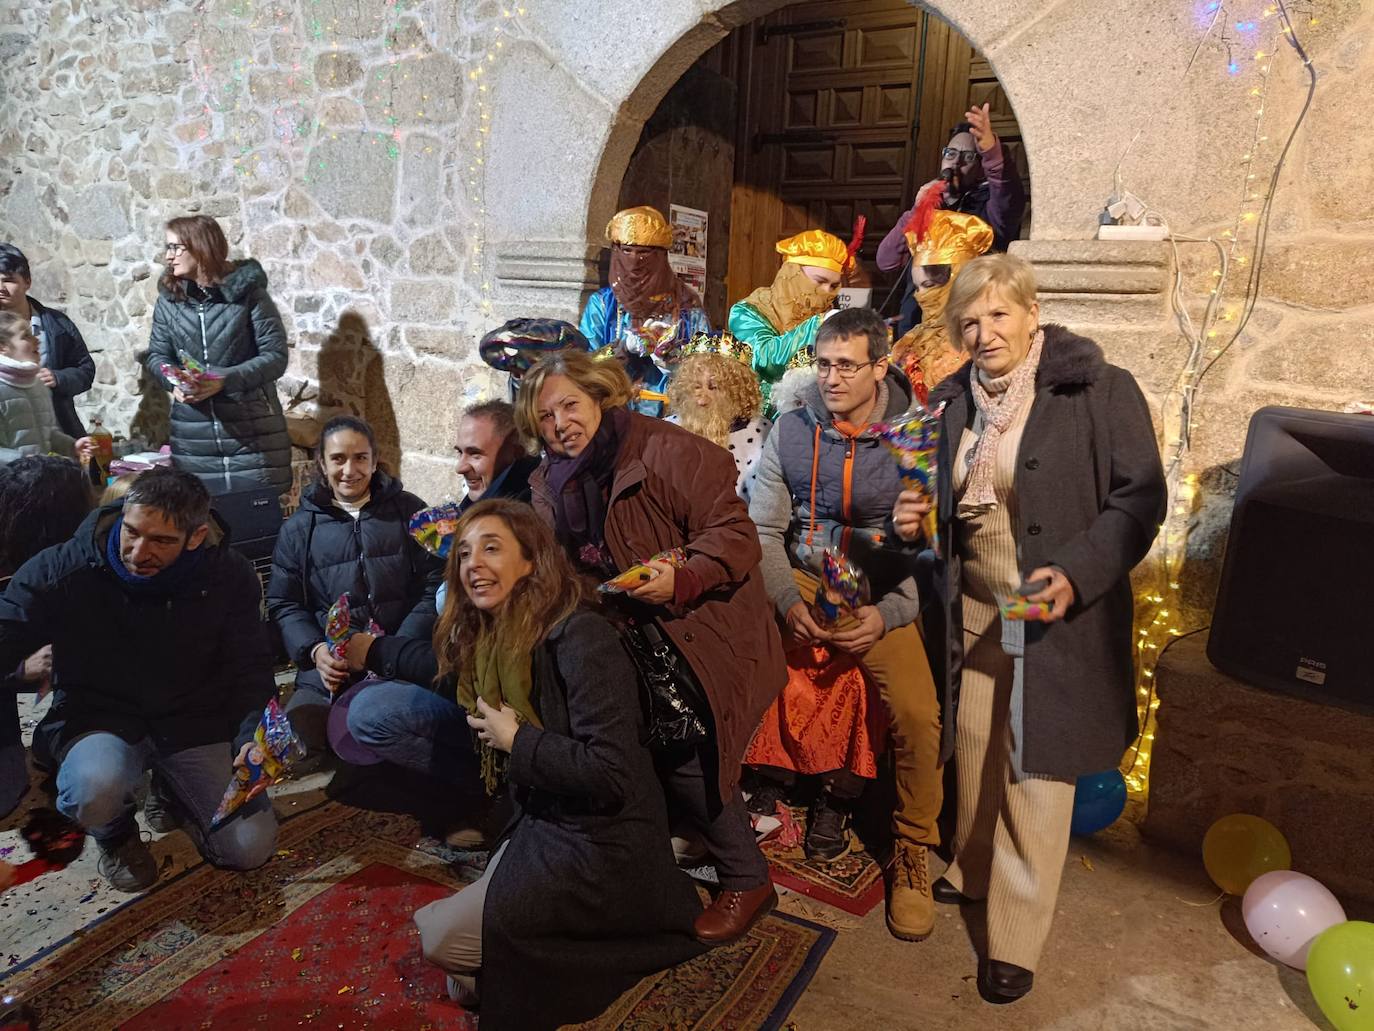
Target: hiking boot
{"x":827,"y":828}
{"x":160,"y":809}
{"x":910,"y":908}
{"x":733,"y":913}
{"x":127,"y":864}
{"x":764,"y":801}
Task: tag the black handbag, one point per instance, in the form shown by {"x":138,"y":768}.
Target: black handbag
{"x":676,"y":710}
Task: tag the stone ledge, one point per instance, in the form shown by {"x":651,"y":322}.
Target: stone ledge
{"x":546,"y":264}
{"x":1222,"y":746}
{"x":1097,"y":266}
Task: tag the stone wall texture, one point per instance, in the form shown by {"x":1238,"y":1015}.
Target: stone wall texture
{"x":411,"y":172}
{"x":1224,"y":747}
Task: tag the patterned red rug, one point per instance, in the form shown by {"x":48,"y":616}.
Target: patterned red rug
{"x":322,"y":937}
{"x":853,"y":883}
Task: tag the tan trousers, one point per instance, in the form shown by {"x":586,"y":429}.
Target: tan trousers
{"x":898,"y":665}
{"x":1012,"y":833}
{"x":451,"y":932}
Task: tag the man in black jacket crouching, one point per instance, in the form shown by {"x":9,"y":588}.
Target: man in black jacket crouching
{"x":159,"y":657}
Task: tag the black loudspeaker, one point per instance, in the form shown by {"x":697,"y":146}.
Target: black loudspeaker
{"x":1294,"y":610}
{"x":252,"y":511}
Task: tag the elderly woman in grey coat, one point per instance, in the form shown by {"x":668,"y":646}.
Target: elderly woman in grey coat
{"x":218,"y":313}
{"x":1049,"y":479}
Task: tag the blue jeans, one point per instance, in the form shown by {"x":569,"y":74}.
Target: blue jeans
{"x":415,"y":728}
{"x":101,"y":773}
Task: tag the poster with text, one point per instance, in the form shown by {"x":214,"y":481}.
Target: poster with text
{"x":688,"y":256}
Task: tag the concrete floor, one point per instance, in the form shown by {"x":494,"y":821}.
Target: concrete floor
{"x":1138,"y":943}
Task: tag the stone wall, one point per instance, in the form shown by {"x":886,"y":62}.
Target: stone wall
{"x":1223,"y":747}
{"x":411,"y":173}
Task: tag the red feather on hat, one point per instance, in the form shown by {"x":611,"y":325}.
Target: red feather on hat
{"x":857,"y":240}
{"x":928,"y":201}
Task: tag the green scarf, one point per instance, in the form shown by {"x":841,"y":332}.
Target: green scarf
{"x":501,"y":677}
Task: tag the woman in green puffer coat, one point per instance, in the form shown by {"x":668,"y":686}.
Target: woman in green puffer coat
{"x":218,"y":314}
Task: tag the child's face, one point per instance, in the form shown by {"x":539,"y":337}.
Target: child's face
{"x":22,"y":346}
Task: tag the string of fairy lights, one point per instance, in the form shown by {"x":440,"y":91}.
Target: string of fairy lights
{"x":1159,"y":612}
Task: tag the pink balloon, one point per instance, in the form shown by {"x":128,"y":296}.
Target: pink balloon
{"x":1284,"y":910}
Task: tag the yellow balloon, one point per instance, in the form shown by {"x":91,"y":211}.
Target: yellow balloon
{"x":1240,"y":847}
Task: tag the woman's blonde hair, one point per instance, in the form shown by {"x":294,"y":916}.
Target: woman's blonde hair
{"x":538,"y":602}
{"x":1012,"y":277}
{"x":604,"y":379}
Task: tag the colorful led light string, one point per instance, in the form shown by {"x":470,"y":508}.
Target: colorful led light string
{"x":1159,"y":608}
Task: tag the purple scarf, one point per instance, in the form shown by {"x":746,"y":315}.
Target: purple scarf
{"x":581,"y":488}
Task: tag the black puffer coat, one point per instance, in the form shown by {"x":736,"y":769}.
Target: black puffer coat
{"x":233,"y":328}
{"x":322,"y":552}
{"x":182,"y":668}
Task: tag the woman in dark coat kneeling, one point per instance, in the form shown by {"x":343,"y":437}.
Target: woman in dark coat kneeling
{"x":582,"y":897}
{"x":619,"y":488}
{"x":1049,"y":475}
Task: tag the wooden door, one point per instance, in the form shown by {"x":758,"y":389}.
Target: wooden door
{"x":844,"y":108}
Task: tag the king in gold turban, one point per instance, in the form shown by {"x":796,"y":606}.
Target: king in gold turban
{"x":939,"y":248}
{"x":780,"y":321}
{"x":647,"y":314}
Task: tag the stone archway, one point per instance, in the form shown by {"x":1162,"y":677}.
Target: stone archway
{"x":568,"y":109}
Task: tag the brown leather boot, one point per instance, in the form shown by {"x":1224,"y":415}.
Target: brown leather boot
{"x":910,"y":908}
{"x":733,"y":913}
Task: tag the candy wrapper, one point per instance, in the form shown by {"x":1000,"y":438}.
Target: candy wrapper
{"x":844,"y":588}
{"x":639,"y":575}
{"x":913,"y":441}
{"x":433,"y":527}
{"x":190,"y":374}
{"x":338,"y":626}
{"x":655,"y":337}
{"x":1018,"y":607}
{"x":275,"y":748}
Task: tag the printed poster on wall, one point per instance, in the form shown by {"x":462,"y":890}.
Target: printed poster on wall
{"x":688,"y":256}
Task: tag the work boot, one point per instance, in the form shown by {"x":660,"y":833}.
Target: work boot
{"x":827,"y":828}
{"x":127,"y":864}
{"x":910,"y":908}
{"x":160,"y":809}
{"x":733,"y":913}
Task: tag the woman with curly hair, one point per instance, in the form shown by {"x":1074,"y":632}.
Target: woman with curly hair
{"x":581,"y":896}
{"x":716,"y":395}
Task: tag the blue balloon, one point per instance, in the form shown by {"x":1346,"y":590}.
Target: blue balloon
{"x":1098,"y":799}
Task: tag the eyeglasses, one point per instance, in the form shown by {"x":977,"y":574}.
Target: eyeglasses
{"x":845,"y":369}
{"x":964,"y":156}
{"x":174,"y":249}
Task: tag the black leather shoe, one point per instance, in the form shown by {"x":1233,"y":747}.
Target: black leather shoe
{"x":948,"y":895}
{"x":1005,"y":982}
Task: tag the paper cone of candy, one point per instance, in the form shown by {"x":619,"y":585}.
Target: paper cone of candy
{"x":914,"y":440}
{"x":844,"y":588}
{"x":639,"y":575}
{"x":275,"y":748}
{"x":433,"y":527}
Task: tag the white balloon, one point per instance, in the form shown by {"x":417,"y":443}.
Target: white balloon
{"x":1285,"y":910}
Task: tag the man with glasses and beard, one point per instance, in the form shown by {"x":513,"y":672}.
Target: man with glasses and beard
{"x":826,"y":482}
{"x":979,"y":177}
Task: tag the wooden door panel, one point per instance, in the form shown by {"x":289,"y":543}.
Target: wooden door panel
{"x":839,"y":123}
{"x":820,"y":52}
{"x":894,"y":47}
